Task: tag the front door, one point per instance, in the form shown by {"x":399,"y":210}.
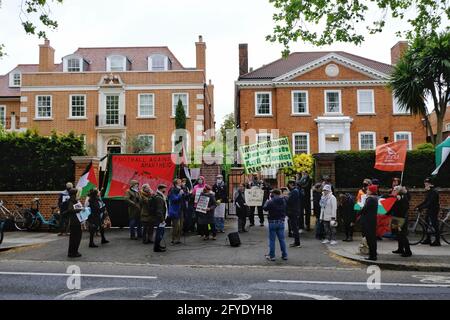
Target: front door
{"x":333,"y":143}
{"x":114,"y":146}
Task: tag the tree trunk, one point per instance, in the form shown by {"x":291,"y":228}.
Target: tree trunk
{"x":430,"y":130}
{"x":439,"y":126}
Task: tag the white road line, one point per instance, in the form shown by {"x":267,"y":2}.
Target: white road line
{"x":75,"y":274}
{"x":387,"y":284}
{"x":306,"y":295}
{"x":78,"y":295}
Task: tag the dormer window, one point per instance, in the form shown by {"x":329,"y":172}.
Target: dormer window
{"x":116,"y":63}
{"x":73,"y":63}
{"x":159,"y":62}
{"x":15,"y":79}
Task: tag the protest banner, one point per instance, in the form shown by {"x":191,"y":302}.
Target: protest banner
{"x":254,"y":197}
{"x":202,"y":204}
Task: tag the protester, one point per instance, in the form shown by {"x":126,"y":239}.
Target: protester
{"x":431,"y":204}
{"x":134,"y":210}
{"x":400,"y":210}
{"x":326,"y":180}
{"x":187,"y":218}
{"x":158,"y":209}
{"x":148,"y":221}
{"x":176,"y":210}
{"x":363,"y":191}
{"x":75,"y":225}
{"x":94,"y":218}
{"x":305,"y":184}
{"x":196,"y":192}
{"x":347,"y":212}
{"x":221,"y":194}
{"x":294,"y":208}
{"x":369,"y":221}
{"x":241,"y":207}
{"x":328,"y":214}
{"x":104,"y":217}
{"x":256,"y":183}
{"x":317,"y":195}
{"x":63,"y":201}
{"x":276,"y":208}
{"x":395,"y":182}
{"x":206,"y":221}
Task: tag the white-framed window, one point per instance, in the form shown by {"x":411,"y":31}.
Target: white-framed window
{"x":263,"y":103}
{"x":184,"y":97}
{"x":43,"y":107}
{"x":73,"y":65}
{"x":366,"y":102}
{"x":447,"y":127}
{"x":116,"y":63}
{"x":396,"y":107}
{"x":404,"y":135}
{"x":367,"y":140}
{"x":300,"y":142}
{"x":2,"y":116}
{"x":333,"y":101}
{"x":159,"y":62}
{"x":15,"y":79}
{"x":300,"y":102}
{"x":187,"y":140}
{"x":146,"y":105}
{"x":77,"y":106}
{"x":263,"y":137}
{"x":146,"y":143}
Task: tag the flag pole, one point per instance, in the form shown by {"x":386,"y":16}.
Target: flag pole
{"x":401,"y":179}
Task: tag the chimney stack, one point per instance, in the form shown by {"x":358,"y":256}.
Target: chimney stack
{"x":397,"y":51}
{"x":200,"y":47}
{"x":243,"y":59}
{"x":46,"y":57}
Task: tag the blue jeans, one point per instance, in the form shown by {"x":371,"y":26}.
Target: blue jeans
{"x":220,"y":224}
{"x":135,"y":223}
{"x":159,"y":236}
{"x":276,"y":230}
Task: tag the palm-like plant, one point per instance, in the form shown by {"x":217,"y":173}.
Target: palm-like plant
{"x":423,"y":73}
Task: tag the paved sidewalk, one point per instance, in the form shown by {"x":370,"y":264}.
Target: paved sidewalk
{"x":18,"y":239}
{"x":424,"y":258}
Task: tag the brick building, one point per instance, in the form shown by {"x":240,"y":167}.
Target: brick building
{"x":446,"y":124}
{"x":324,"y":102}
{"x":117,"y":98}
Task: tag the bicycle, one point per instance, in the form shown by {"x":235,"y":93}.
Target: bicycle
{"x":17,"y":216}
{"x":35,"y":219}
{"x":419,"y":228}
{"x":2,"y":224}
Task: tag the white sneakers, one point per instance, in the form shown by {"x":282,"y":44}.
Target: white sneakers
{"x":332,"y":242}
{"x":325,"y":241}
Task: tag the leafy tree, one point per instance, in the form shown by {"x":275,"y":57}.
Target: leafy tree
{"x":180,"y":116}
{"x":423,"y":73}
{"x":302,"y":162}
{"x":344,"y":20}
{"x":29,"y":11}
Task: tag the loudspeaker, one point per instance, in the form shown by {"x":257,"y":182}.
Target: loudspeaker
{"x":235,"y":240}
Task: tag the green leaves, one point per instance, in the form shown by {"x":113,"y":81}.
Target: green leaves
{"x":180,"y":116}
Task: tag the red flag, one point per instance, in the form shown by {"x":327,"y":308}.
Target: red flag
{"x":391,"y":156}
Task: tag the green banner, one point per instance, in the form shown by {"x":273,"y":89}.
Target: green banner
{"x":273,"y":154}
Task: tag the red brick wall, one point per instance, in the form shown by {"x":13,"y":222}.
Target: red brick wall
{"x":48,"y":199}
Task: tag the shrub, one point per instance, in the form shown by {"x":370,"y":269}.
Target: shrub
{"x":302,"y":162}
{"x":31,"y":162}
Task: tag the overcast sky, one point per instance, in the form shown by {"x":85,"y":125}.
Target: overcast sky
{"x":173,"y":23}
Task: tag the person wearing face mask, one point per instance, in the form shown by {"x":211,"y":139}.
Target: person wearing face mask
{"x":431,"y":204}
{"x":363,"y":191}
{"x":241,"y":207}
{"x":206,"y":223}
{"x":369,"y":221}
{"x":132,"y":198}
{"x":328,"y":214}
{"x":175,"y":210}
{"x":256,"y":183}
{"x":220,"y":192}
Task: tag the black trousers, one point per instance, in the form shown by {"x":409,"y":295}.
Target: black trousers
{"x":293,"y":223}
{"x":371,"y":238}
{"x":307,"y":208}
{"x":260,"y":215}
{"x":403,"y":243}
{"x":433,"y":219}
{"x":147,"y":231}
{"x":348,"y":229}
{"x":64,"y":224}
{"x":74,"y":238}
{"x":204,"y":229}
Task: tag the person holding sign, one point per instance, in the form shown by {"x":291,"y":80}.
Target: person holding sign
{"x":276,"y":208}
{"x":294,"y":210}
{"x":175,"y":210}
{"x":132,"y":199}
{"x":241,"y":207}
{"x":206,"y":205}
{"x":196,"y":192}
{"x":75,"y":225}
{"x":221,"y":194}
{"x":254,"y":183}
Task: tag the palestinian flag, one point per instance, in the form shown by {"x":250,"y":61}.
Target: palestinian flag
{"x":384,"y":205}
{"x":442,"y":153}
{"x":88,"y":181}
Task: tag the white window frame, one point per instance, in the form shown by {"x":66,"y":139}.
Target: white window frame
{"x":3,"y":114}
{"x":293,"y":111}
{"x":396,"y":112}
{"x":409,"y":133}
{"x":11,"y":79}
{"x":308,"y":146}
{"x":139,"y":106}
{"x":325,"y":101}
{"x":373,"y":134}
{"x":447,"y":127}
{"x":167,"y":62}
{"x":37,"y":117}
{"x":188,"y":144}
{"x":153,"y":142}
{"x":71,"y":106}
{"x":270,"y":114}
{"x":265,"y":134}
{"x":359,"y":101}
{"x":111,"y":57}
{"x":175,"y":103}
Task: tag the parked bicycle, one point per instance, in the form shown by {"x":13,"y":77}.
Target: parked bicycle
{"x":419,"y":228}
{"x":16,"y":216}
{"x":34,"y":218}
{"x":2,"y":224}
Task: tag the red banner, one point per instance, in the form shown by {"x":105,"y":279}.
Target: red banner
{"x":391,"y":156}
{"x":153,"y":169}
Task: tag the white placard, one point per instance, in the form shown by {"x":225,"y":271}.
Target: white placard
{"x":202,"y":204}
{"x":254,"y":197}
{"x":198,"y":193}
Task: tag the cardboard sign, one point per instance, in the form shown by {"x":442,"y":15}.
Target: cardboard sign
{"x":202,"y":204}
{"x":198,"y":193}
{"x":254,"y":197}
{"x":84,"y":215}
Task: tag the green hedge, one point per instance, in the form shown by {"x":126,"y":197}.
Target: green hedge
{"x":30,"y":162}
{"x":353,"y":166}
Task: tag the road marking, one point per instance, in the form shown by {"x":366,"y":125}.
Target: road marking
{"x":74,"y":274}
{"x":387,"y":284}
{"x":306,"y":295}
{"x":432,"y":278}
{"x":77,"y":295}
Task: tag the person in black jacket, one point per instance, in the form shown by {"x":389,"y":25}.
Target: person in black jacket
{"x":347,"y":212}
{"x":305,"y":184}
{"x":317,"y":195}
{"x":431,"y":203}
{"x":400,"y":210}
{"x":276,"y":208}
{"x":294,"y":203}
{"x":75,"y":225}
{"x":241,"y":207}
{"x":369,"y":221}
{"x":94,"y":217}
{"x":63,"y":200}
{"x":158,"y":210}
